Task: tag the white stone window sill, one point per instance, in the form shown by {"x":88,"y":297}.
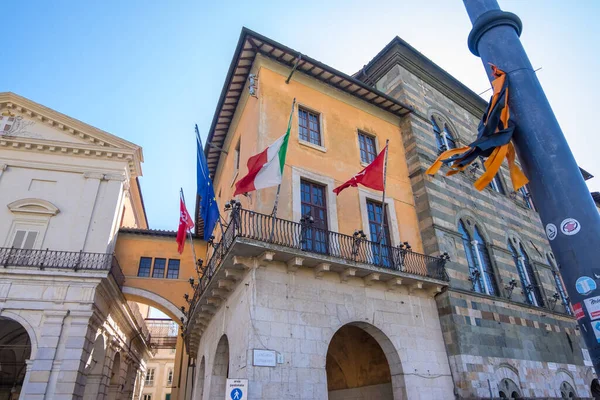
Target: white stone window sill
{"x":364,"y":164}
{"x":312,"y":146}
{"x":235,"y":175}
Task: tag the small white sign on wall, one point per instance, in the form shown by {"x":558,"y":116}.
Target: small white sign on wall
{"x":237,"y":389}
{"x":264,"y":358}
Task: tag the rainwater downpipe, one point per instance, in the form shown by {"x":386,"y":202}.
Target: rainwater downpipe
{"x":53,"y":372}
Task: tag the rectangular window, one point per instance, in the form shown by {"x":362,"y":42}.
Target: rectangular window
{"x":170,"y":377}
{"x":159,"y":268}
{"x":150,"y":377}
{"x":145,"y":265}
{"x":24,"y":239}
{"x":168,"y":396}
{"x":375,"y":213}
{"x":309,"y":127}
{"x":173,"y":270}
{"x":367,"y":148}
{"x":313,"y":203}
{"x":147,"y":397}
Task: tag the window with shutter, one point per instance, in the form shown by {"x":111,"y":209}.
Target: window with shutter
{"x":24,"y":239}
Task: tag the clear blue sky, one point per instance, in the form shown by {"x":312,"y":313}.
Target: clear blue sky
{"x":148,"y":71}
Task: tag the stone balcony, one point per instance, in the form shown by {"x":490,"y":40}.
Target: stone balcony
{"x":252,"y":240}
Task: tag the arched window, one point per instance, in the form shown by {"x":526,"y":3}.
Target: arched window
{"x":444,"y":139}
{"x":531,"y":289}
{"x":560,"y":287}
{"x":481,"y":273}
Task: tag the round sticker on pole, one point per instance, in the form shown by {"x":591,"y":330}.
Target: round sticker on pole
{"x":551,"y":231}
{"x":570,"y":226}
{"x":585,"y":285}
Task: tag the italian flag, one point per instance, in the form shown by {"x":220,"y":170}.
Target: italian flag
{"x":265,"y":169}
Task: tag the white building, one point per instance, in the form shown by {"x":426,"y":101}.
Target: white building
{"x":66,"y":331}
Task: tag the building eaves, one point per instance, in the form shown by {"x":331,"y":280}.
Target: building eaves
{"x":152,"y":232}
{"x":249,"y":45}
{"x":400,"y":52}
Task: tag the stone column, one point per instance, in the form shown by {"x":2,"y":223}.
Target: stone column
{"x":26,"y":389}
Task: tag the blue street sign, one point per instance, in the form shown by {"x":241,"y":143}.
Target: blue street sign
{"x":236,"y":394}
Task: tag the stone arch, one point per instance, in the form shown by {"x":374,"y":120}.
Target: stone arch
{"x":116,"y":369}
{"x":15,"y":351}
{"x":353,"y":371}
{"x":220,"y":369}
{"x":27,"y":326}
{"x":33,"y":206}
{"x":508,"y":380}
{"x":567,"y":383}
{"x":95,"y":368}
{"x":154,"y":300}
{"x":469,"y":216}
{"x":440,"y":118}
{"x":199,"y":384}
{"x":95,"y":362}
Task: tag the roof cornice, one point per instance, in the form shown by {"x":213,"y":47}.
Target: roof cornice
{"x":101,"y":143}
{"x":249,"y":45}
{"x":399,"y":52}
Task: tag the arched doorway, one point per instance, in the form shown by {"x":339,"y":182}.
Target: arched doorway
{"x":358,"y":364}
{"x":15,"y":350}
{"x":94,"y":369}
{"x":220,"y":370}
{"x":115,"y":377}
{"x":199,"y":387}
{"x":509,"y":390}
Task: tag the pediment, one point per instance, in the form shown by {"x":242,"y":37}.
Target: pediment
{"x":18,"y":126}
{"x":26,"y":125}
{"x":33,"y":206}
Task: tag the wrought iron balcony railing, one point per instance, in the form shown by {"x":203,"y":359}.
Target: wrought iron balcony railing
{"x":163,"y":333}
{"x":302,"y":236}
{"x":71,"y":260}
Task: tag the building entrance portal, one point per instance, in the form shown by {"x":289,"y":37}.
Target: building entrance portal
{"x":357,"y":366}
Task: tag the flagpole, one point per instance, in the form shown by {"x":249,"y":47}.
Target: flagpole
{"x":381,"y":233}
{"x":274,"y":212}
{"x":189,"y":231}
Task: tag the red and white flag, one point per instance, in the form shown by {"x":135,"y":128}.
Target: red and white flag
{"x":185,"y":224}
{"x":372,"y":176}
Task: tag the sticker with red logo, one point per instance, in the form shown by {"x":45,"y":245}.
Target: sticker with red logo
{"x":593,"y":307}
{"x":570,"y":226}
{"x":578,"y":311}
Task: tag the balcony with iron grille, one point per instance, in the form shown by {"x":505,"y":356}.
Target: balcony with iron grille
{"x":61,"y":261}
{"x":163,"y":333}
{"x":252,"y":238}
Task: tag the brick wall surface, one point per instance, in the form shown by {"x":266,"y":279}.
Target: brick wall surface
{"x":489,"y":331}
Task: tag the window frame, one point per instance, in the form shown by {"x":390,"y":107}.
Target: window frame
{"x":164,"y":268}
{"x":308,"y":111}
{"x":524,"y":266}
{"x":168,"y":270}
{"x":170,"y":376}
{"x":371,"y":137}
{"x":149,"y":378}
{"x":316,"y":245}
{"x":477,"y":250}
{"x":149,"y":267}
{"x":559,"y":284}
{"x":442,"y":129}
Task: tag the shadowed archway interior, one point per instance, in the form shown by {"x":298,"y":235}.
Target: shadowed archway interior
{"x":15,"y":349}
{"x":357,"y":366}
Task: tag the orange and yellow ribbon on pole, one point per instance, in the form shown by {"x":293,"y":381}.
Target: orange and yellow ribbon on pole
{"x":493,"y":141}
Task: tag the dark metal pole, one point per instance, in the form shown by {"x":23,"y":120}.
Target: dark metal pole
{"x":559,"y":192}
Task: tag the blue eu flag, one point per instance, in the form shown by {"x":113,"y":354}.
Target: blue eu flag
{"x":209,"y":211}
